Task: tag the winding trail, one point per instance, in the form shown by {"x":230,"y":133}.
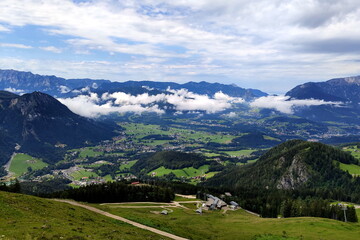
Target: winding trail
{"x":135,"y":224}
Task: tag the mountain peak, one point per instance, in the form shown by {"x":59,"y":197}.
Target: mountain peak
{"x":291,"y":165}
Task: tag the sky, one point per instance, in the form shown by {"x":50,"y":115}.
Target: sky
{"x":271,"y":45}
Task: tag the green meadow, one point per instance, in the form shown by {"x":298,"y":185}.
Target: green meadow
{"x":354,"y":150}
{"x":351,"y":168}
{"x":21,"y":162}
{"x":139,"y":131}
{"x":128,"y":165}
{"x":184,"y":172}
{"x":32,"y":218}
{"x":246,"y":152}
{"x":83,"y":173}
{"x":237,"y":224}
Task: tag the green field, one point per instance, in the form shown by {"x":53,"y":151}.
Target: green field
{"x":21,"y":162}
{"x":354,"y":150}
{"x":138,"y":131}
{"x":27,"y":217}
{"x":30,"y":218}
{"x":83,"y":173}
{"x":271,"y":138}
{"x":185,"y":172}
{"x":87,"y":152}
{"x":128,"y":165}
{"x":238,"y":225}
{"x":351,"y":168}
{"x":246,"y":152}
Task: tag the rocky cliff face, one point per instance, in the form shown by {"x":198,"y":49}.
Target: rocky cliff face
{"x":296,"y":175}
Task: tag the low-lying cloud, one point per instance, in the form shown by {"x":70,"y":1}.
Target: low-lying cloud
{"x":92,"y":105}
{"x":285,"y":104}
{"x":14,"y":90}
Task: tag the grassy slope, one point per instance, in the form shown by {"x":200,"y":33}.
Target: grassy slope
{"x":21,"y":162}
{"x":238,"y":225}
{"x":351,"y":168}
{"x":186,"y":172}
{"x":128,"y":165}
{"x":354,"y":150}
{"x":26,"y":217}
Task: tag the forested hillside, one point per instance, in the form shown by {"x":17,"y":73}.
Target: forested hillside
{"x":306,"y":171}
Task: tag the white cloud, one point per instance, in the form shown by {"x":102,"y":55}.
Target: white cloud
{"x":86,"y":106}
{"x":15,"y":45}
{"x":14,"y":90}
{"x":285,"y":104}
{"x":51,"y":49}
{"x":93,"y":106}
{"x":64,"y":89}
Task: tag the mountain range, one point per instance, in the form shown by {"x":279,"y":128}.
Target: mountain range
{"x":344,"y":91}
{"x":338,"y":89}
{"x":25,"y":82}
{"x":35,"y":120}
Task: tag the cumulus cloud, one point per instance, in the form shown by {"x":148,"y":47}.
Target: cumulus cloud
{"x":93,"y":105}
{"x":234,"y":40}
{"x":285,"y":104}
{"x":87,"y":106}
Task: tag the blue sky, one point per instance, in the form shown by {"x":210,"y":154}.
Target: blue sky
{"x":269,"y":45}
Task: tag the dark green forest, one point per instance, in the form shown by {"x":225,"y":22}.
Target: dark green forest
{"x":117,"y":192}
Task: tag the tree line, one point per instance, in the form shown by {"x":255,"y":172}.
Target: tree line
{"x":117,"y":192}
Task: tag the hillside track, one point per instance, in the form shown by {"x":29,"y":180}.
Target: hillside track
{"x":135,"y":224}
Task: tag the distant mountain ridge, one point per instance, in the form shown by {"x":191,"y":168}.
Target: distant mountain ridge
{"x":337,"y":89}
{"x":60,"y":87}
{"x":345,"y":91}
{"x":29,"y":82}
{"x":37,"y":122}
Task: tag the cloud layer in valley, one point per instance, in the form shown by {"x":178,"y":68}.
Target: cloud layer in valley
{"x":92,"y":105}
{"x":286,"y":105}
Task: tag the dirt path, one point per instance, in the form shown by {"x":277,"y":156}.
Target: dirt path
{"x":158,"y":206}
{"x":7,"y":167}
{"x":171,"y":204}
{"x":154,"y":230}
{"x":186,"y":196}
